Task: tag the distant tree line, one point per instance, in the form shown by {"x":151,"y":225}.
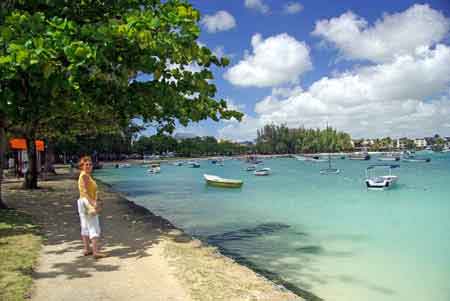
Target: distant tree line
{"x":279,"y":139}
{"x":188,"y":147}
{"x":126,"y":144}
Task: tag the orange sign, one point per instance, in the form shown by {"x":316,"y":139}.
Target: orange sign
{"x":21,"y":144}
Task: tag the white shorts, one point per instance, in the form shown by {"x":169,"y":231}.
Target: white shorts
{"x":90,"y":225}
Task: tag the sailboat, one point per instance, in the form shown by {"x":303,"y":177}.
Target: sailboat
{"x":329,"y":170}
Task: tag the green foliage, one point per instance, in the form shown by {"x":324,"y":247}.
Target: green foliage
{"x":73,"y":65}
{"x":439,"y":143}
{"x":198,"y":146}
{"x":281,"y":139}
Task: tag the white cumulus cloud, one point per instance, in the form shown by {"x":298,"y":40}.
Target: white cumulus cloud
{"x":292,"y":8}
{"x":220,"y":21}
{"x":257,"y":5}
{"x":393,"y":35}
{"x":276,"y":60}
{"x":408,"y":96}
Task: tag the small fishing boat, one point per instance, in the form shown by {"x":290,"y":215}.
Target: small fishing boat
{"x":301,"y":158}
{"x":411,"y":157}
{"x":310,"y":158}
{"x":414,"y":159}
{"x":178,"y":163}
{"x":154,"y":169}
{"x":193,"y":164}
{"x":221,"y":182}
{"x":380,"y":182}
{"x":389,"y":157}
{"x":329,"y":170}
{"x":123,"y":165}
{"x":359,"y":156}
{"x":262,"y":172}
{"x":251,"y":168}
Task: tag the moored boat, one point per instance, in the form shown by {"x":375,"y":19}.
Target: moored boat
{"x":389,"y":157}
{"x":359,"y":156}
{"x":193,"y":164}
{"x":154,"y":168}
{"x":309,"y":158}
{"x":380,"y":182}
{"x":409,"y":157}
{"x":420,"y":160}
{"x":251,"y":168}
{"x":330,"y":171}
{"x":262,"y":172}
{"x":123,"y":165}
{"x":221,"y":182}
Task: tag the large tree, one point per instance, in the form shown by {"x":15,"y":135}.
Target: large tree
{"x":75,"y":58}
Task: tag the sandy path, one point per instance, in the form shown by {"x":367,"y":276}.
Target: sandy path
{"x":136,"y":269}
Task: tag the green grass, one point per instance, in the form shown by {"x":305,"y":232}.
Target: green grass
{"x":19,"y":249}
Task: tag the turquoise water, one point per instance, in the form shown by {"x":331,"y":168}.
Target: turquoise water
{"x":326,"y":234}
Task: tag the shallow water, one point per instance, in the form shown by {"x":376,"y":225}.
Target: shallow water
{"x":326,"y":234}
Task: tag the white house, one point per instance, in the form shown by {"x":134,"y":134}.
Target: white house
{"x":420,"y":142}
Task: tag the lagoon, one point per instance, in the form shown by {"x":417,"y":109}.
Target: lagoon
{"x":325,"y":234}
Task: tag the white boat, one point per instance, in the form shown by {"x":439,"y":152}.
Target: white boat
{"x":178,"y":163}
{"x":302,"y":158}
{"x":359,"y":156}
{"x":389,"y":157}
{"x":413,"y":159}
{"x":330,"y":171}
{"x":124,"y":165}
{"x":154,"y":169}
{"x":380,"y":182}
{"x":445,"y":150}
{"x":310,"y":158}
{"x":251,"y":168}
{"x":193,"y":164}
{"x":408,"y":157}
{"x":262,"y":172}
{"x":221,"y":182}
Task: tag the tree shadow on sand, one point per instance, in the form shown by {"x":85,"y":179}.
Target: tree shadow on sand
{"x":128,"y":229}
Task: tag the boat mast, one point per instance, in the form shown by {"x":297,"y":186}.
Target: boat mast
{"x":329,"y":149}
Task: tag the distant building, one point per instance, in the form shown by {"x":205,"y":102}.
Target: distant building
{"x":447,"y":142}
{"x":400,"y":143}
{"x":367,"y":142}
{"x":420,"y":142}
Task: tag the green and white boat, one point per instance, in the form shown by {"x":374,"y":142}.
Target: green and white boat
{"x":221,"y":182}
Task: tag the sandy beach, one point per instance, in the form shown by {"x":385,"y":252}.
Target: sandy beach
{"x":149,"y":259}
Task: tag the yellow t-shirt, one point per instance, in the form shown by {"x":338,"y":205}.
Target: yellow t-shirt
{"x":91,"y":190}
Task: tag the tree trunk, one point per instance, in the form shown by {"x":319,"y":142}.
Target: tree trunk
{"x":31,"y":176}
{"x":50,"y":158}
{"x":2,"y":154}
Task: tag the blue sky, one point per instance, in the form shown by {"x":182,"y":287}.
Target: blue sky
{"x":352,"y":70}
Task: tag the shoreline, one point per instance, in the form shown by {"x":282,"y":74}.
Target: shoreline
{"x":270,"y":276}
{"x":110,"y":164}
{"x":150,"y":258}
